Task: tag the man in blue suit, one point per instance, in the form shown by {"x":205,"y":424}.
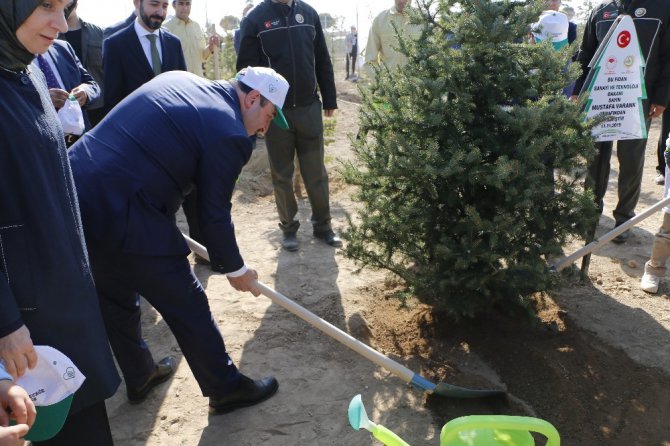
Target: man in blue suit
{"x":137,"y":53}
{"x":65,"y":75}
{"x":132,"y":173}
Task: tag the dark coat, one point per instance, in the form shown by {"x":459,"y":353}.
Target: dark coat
{"x":73,"y":74}
{"x":652,"y":23}
{"x":572,"y":32}
{"x":115,"y":28}
{"x":91,"y":56}
{"x":134,"y":169}
{"x":126,"y":67}
{"x":290,"y":41}
{"x":45,"y":281}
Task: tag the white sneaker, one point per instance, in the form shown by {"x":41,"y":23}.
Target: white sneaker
{"x":650,"y":283}
{"x":660,"y":179}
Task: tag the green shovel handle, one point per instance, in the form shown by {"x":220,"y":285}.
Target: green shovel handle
{"x":387,"y":437}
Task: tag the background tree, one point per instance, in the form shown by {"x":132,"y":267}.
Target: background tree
{"x":327,"y":20}
{"x":454,"y":175}
{"x":227,"y":54}
{"x":229,"y":23}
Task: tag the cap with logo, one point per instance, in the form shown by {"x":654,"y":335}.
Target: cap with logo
{"x":553,"y":26}
{"x":271,"y":85}
{"x":51,"y":385}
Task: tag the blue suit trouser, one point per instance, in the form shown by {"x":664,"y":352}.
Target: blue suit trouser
{"x":170,"y":286}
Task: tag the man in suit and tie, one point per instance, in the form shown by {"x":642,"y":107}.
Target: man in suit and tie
{"x":66,"y":76}
{"x":132,"y":172}
{"x":137,"y":53}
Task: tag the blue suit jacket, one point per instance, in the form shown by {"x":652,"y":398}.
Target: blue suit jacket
{"x":133,"y":170}
{"x":115,"y":28}
{"x":73,"y":74}
{"x":127,"y":68}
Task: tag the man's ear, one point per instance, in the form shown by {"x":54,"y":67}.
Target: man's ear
{"x":251,"y":98}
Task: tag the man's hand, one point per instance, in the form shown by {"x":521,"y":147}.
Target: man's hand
{"x":11,"y":436}
{"x":574,"y":98}
{"x":246,"y":282}
{"x":17,"y":352}
{"x":80,"y":94}
{"x":329,"y":113}
{"x":214,"y":43}
{"x":656,"y":110}
{"x":58,"y":97}
{"x":15,"y":398}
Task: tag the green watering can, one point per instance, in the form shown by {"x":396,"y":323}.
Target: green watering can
{"x":358,"y":419}
{"x":496,"y":430}
{"x":473,"y":430}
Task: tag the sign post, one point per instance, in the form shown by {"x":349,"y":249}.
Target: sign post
{"x":615,"y":86}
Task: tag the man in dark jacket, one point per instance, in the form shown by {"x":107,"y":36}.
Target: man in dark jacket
{"x":287,"y":36}
{"x":132,"y":173}
{"x":652,"y":23}
{"x":86,"y":40}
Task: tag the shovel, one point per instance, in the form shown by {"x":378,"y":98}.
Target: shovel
{"x":442,"y":389}
{"x":597,"y":243}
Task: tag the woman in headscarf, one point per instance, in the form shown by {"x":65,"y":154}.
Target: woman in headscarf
{"x":47,"y":295}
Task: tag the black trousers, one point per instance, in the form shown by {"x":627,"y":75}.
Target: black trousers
{"x":665,"y":130}
{"x":89,"y":426}
{"x":352,"y":56}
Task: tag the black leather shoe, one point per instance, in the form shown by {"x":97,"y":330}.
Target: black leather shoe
{"x":248,"y":393}
{"x":329,"y":237}
{"x":162,"y":371}
{"x":622,"y":238}
{"x":290,"y":242}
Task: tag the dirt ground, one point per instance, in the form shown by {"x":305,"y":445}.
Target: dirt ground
{"x":597,"y":367}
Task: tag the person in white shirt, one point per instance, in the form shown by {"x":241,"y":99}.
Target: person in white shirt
{"x":193,"y":43}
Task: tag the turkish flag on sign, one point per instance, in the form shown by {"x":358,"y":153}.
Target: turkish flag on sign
{"x":623,"y":39}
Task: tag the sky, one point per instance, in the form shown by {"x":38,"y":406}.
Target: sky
{"x":117,"y":10}
{"x":356,"y":12}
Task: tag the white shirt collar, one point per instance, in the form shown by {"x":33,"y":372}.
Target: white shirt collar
{"x":141,"y":31}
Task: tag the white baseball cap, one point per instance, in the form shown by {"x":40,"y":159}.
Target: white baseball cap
{"x":51,"y":385}
{"x":553,"y":26}
{"x":271,"y":85}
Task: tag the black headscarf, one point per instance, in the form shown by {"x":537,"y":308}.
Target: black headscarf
{"x":13,"y":55}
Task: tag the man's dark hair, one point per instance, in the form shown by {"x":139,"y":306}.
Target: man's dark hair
{"x":68,"y":9}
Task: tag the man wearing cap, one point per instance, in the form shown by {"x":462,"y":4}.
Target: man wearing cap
{"x":304,"y":60}
{"x":553,"y":26}
{"x":132,"y":173}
